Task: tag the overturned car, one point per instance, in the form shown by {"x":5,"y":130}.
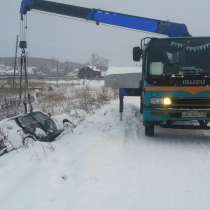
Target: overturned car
{"x":38,"y":126}
{"x":34,"y":126}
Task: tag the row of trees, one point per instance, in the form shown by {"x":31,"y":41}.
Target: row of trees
{"x":96,"y":60}
{"x":99,"y":62}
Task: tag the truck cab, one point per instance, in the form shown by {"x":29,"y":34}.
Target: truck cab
{"x":175,"y":82}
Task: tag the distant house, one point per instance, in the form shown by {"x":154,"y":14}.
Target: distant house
{"x":87,"y":72}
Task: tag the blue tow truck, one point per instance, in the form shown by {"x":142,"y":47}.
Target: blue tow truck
{"x":175,"y":80}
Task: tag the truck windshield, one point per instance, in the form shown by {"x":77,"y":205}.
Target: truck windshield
{"x":179,"y":57}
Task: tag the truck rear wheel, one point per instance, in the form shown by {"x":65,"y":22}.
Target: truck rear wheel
{"x":149,"y":129}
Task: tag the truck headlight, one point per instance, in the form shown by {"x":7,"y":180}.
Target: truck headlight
{"x":166,"y":101}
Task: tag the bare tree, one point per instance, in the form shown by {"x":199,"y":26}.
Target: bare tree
{"x":99,"y":61}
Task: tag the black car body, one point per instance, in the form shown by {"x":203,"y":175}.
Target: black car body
{"x":39,"y":126}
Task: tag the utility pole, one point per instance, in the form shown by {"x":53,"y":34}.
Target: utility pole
{"x":15,"y":62}
{"x":57,"y":66}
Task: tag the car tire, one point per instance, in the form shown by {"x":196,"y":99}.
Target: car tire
{"x":28,"y":140}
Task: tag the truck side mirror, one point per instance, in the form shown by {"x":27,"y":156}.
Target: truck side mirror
{"x":137,"y":53}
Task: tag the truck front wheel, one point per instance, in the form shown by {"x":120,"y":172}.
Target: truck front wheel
{"x":149,"y":129}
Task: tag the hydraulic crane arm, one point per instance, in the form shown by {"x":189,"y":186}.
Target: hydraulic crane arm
{"x":170,"y":29}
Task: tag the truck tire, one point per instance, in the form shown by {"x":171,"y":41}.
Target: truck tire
{"x":149,"y":129}
{"x":203,"y":123}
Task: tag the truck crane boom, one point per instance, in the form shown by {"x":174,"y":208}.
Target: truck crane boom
{"x":170,"y":29}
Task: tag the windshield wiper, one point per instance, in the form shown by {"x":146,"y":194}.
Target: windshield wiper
{"x":205,"y":75}
{"x":191,"y":70}
{"x":201,"y":74}
{"x":174,"y":75}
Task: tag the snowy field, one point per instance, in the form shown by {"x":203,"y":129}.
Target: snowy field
{"x":110,"y":165}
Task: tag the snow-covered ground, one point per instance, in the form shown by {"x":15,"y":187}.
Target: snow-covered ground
{"x":108,"y":164}
{"x":9,"y":70}
{"x":79,"y":82}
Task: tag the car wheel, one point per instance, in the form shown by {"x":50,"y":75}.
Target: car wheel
{"x":28,"y":140}
{"x":67,"y":124}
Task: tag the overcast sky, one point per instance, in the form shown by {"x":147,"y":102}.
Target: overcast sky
{"x":69,"y":39}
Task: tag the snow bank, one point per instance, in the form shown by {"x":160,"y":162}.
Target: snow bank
{"x":108,"y":164}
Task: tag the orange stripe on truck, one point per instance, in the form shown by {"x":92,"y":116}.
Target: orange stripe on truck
{"x":189,"y":89}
